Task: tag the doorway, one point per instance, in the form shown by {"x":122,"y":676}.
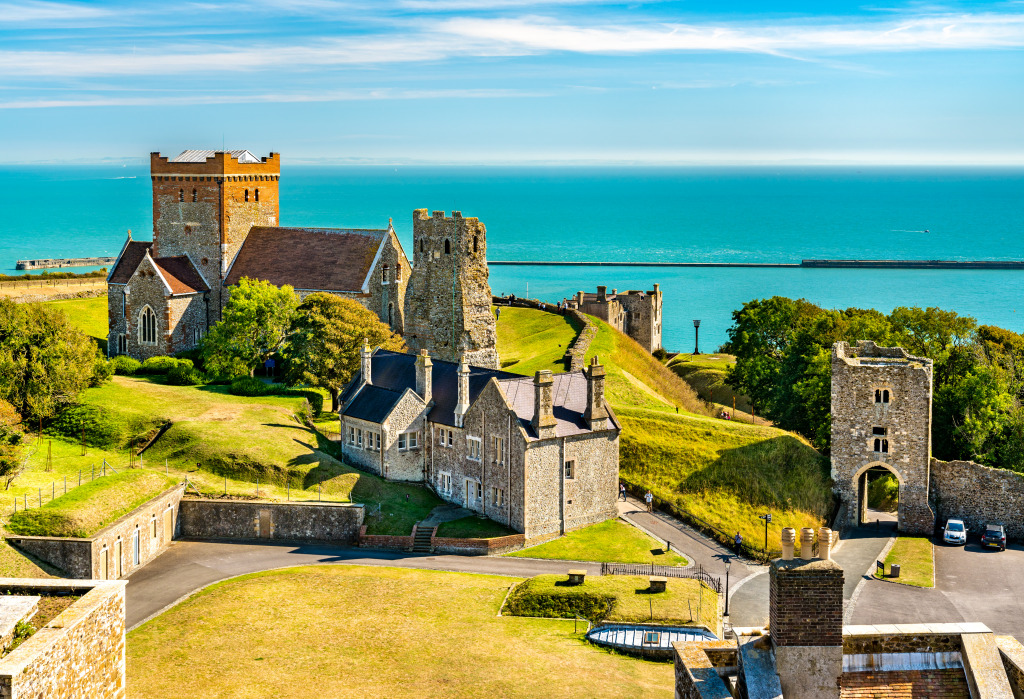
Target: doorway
{"x":879,"y":490}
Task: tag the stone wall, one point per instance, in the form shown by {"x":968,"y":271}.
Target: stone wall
{"x":1011,"y":652}
{"x":337,"y":523}
{"x":477,"y":547}
{"x":577,"y":349}
{"x":72,"y":556}
{"x":978,"y":495}
{"x":388,"y":286}
{"x":79,"y":653}
{"x":696,"y":669}
{"x":146,"y":288}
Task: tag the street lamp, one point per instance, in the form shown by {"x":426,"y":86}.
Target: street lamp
{"x":728,"y":565}
{"x":696,"y":341}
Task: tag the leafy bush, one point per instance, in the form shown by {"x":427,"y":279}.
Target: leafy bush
{"x":97,"y":427}
{"x":124,"y":365}
{"x":101,"y":371}
{"x":194,"y":355}
{"x":184,"y":376}
{"x":532,"y":598}
{"x":660,"y":354}
{"x":162,"y":365}
{"x":315,"y":398}
{"x":251,"y":386}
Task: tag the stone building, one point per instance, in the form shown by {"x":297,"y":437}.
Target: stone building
{"x":537,"y":454}
{"x":216,"y":221}
{"x":882,"y":419}
{"x":635,"y":313}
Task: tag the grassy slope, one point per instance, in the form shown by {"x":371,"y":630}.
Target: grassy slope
{"x":684,"y":601}
{"x":916,"y":560}
{"x":89,"y":315}
{"x":706,"y":374}
{"x":351,"y":631}
{"x":607,"y":542}
{"x":15,"y":564}
{"x":86,"y":510}
{"x":530,"y":340}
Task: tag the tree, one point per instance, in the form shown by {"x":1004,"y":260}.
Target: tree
{"x":254,"y":325}
{"x":12,"y":444}
{"x":327,"y":335}
{"x":45,"y":362}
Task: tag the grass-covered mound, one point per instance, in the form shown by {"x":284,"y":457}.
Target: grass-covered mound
{"x":706,"y":375}
{"x":88,"y":315}
{"x":725,"y":474}
{"x":530,"y":340}
{"x":612,"y":541}
{"x":352,"y":631}
{"x":92,"y":506}
{"x":615,"y":598}
{"x":916,"y":558}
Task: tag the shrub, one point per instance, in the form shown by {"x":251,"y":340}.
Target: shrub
{"x":124,"y":365}
{"x":313,"y":396}
{"x":194,"y":355}
{"x":101,"y":371}
{"x":162,"y":365}
{"x":532,"y":598}
{"x":182,"y":375}
{"x":97,"y":427}
{"x":251,"y":386}
{"x":660,"y":354}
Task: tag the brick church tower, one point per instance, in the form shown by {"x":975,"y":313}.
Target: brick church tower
{"x":205,"y":202}
{"x":448,"y":300}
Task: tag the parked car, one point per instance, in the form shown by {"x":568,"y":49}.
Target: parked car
{"x":955,"y":532}
{"x":995,"y":535}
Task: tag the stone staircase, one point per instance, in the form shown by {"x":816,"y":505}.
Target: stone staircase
{"x":421,"y":540}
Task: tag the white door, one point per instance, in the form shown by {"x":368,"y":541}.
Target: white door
{"x":135,"y":548}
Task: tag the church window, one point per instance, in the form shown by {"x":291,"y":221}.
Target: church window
{"x":247,"y":195}
{"x":384,"y":274}
{"x":147,"y":326}
{"x":122,"y":344}
{"x":447,"y":247}
{"x":181,"y":195}
{"x":195,"y":196}
{"x":257,"y":194}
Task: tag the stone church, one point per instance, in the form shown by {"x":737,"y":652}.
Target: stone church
{"x":216,"y":220}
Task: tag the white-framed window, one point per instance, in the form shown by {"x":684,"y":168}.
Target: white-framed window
{"x":376,"y":441}
{"x":445,"y":437}
{"x":147,"y":326}
{"x":359,"y":439}
{"x":408,"y":440}
{"x":497,"y":497}
{"x":479,"y":496}
{"x":498,"y":449}
{"x":352,"y":436}
{"x":570,"y":469}
{"x":473,"y":448}
{"x":444,"y":482}
{"x":402,"y":443}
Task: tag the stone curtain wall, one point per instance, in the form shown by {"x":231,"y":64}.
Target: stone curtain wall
{"x":232,"y":519}
{"x":79,"y":653}
{"x":978,"y":495}
{"x":577,"y":349}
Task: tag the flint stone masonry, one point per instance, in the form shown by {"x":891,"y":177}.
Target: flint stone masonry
{"x":15,"y":608}
{"x":634,"y":313}
{"x":79,"y":653}
{"x":861,"y":378}
{"x":978,"y":495}
{"x":245,"y":520}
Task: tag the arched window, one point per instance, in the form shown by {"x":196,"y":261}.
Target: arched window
{"x":147,"y":326}
{"x":881,"y":446}
{"x":474,"y":243}
{"x":384,"y":274}
{"x":181,"y":195}
{"x":447,"y":247}
{"x":195,"y":196}
{"x":247,"y":195}
{"x":881,"y":395}
{"x":885,"y":396}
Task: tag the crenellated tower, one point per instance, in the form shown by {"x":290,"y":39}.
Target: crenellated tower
{"x":448,"y":300}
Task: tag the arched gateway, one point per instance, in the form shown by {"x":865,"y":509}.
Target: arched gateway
{"x":882,"y":418}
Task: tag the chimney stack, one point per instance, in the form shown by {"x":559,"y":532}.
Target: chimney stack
{"x":424,"y":380}
{"x":788,"y":541}
{"x":365,"y":361}
{"x":806,"y":544}
{"x":463,"y":405}
{"x":543,"y":406}
{"x":595,"y":415}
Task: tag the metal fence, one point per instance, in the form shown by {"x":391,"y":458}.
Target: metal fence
{"x":45,"y":495}
{"x":36,"y":283}
{"x":648,"y":569}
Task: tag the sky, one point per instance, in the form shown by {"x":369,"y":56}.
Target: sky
{"x":515,"y":81}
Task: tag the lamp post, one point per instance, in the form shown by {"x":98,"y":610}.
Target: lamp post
{"x":728,"y":565}
{"x":696,"y":340}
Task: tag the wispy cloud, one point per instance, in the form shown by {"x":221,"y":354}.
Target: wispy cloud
{"x":49,"y":12}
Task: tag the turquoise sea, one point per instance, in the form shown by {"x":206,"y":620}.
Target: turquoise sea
{"x":623,"y":214}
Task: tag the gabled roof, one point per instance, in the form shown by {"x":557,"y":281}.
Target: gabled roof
{"x":181,"y":275}
{"x":372,"y":404}
{"x":200,"y":156}
{"x":569,"y":398}
{"x":312,"y":259}
{"x":128,"y":262}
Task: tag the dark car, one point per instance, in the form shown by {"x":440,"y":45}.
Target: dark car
{"x":995,"y":535}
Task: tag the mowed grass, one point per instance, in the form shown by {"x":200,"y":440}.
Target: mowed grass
{"x":724,"y":473}
{"x":531,"y":340}
{"x":87,"y":509}
{"x":348,"y":631}
{"x":88,"y":315}
{"x":612,"y":541}
{"x":616,"y":598}
{"x":916,"y":559}
{"x":15,"y":564}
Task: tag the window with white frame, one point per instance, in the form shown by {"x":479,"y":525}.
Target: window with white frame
{"x":408,"y":440}
{"x":444,"y":482}
{"x":376,"y":441}
{"x":403,"y":444}
{"x":498,"y":449}
{"x":497,"y":497}
{"x":359,"y":439}
{"x":414,"y":439}
{"x":352,"y":436}
{"x":479,"y":492}
{"x":147,"y":326}
{"x":445,"y":437}
{"x":570,"y":469}
{"x":473,"y":448}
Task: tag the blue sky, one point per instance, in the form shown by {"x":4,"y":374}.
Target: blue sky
{"x":515,"y":81}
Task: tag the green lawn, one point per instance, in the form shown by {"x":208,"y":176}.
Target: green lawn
{"x":530,"y":340}
{"x":87,"y":509}
{"x":616,"y":598}
{"x":706,"y":374}
{"x":88,"y":315}
{"x":15,"y":564}
{"x":916,"y":560}
{"x":471,"y":527}
{"x":349,"y":631}
{"x":612,"y":541}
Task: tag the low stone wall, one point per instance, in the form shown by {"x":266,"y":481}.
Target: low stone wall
{"x":72,"y":556}
{"x":856,"y":642}
{"x":696,"y":669}
{"x":336,"y":523}
{"x":978,"y":495}
{"x":477,"y":547}
{"x":79,"y":653}
{"x":383,"y":541}
{"x":1011,"y":651}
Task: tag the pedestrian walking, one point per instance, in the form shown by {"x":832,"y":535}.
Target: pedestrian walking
{"x":622,"y":491}
{"x":497,"y":314}
{"x":739,"y":543}
{"x":649,"y":499}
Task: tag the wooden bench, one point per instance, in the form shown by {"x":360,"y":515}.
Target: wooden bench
{"x":576,"y":576}
{"x":658,"y":583}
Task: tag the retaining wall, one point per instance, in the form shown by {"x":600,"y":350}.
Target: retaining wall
{"x":978,"y":495}
{"x":336,"y":523}
{"x":477,"y":547}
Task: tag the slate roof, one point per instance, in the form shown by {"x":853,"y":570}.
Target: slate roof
{"x":373,"y":404}
{"x":317,"y":259}
{"x":393,"y":372}
{"x":200,"y":156}
{"x":181,"y":275}
{"x":128,"y":262}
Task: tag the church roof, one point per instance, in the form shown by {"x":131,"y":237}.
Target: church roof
{"x":181,"y":275}
{"x":311,"y":259}
{"x":200,"y":156}
{"x":129,"y":261}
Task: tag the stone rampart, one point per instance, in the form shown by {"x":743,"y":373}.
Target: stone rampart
{"x":72,"y":556}
{"x":577,"y":349}
{"x":79,"y":653}
{"x":337,"y":523}
{"x":978,"y":495}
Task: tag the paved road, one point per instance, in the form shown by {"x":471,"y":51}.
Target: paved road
{"x":972,"y":584}
{"x":188,"y":566}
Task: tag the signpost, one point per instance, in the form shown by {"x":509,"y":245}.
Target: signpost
{"x":767,"y":520}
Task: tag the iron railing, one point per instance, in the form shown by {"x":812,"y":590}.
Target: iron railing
{"x":648,"y":569}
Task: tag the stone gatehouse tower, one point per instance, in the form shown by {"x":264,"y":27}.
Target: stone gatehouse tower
{"x":448,"y":300}
{"x":882,"y":418}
